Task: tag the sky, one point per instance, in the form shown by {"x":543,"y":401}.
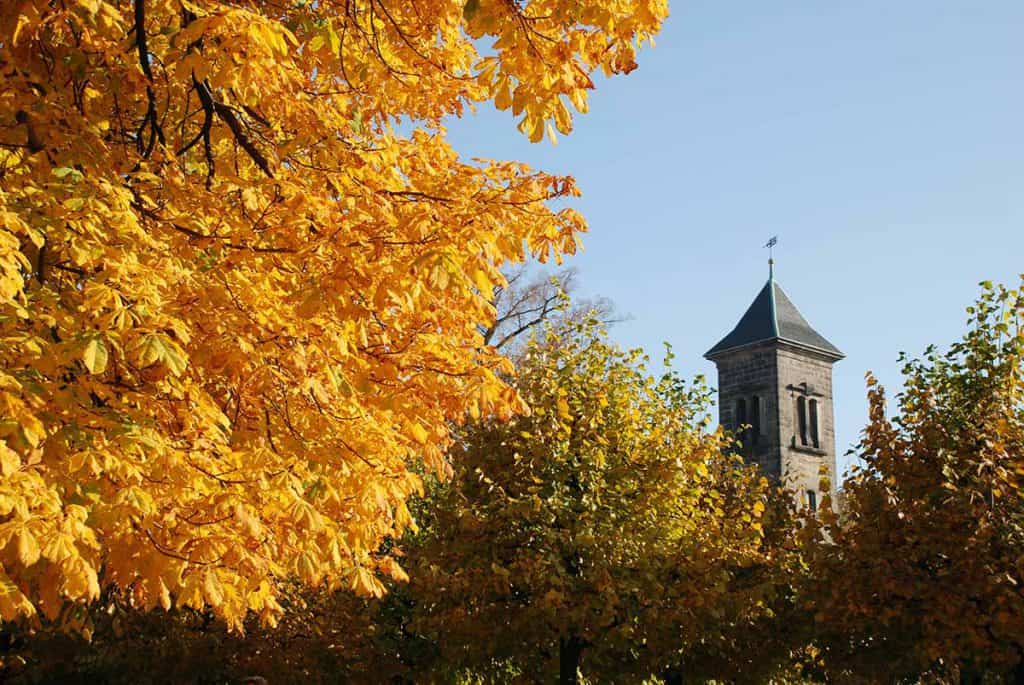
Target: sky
{"x":880,"y":141}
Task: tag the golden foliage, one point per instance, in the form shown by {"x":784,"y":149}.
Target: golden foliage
{"x":237,"y":303}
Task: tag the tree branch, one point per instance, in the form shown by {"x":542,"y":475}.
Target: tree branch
{"x":151,"y":118}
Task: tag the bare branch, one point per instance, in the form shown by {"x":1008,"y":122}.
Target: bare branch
{"x":531,"y":299}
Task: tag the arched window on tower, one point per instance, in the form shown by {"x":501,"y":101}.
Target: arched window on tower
{"x":814,"y":422}
{"x":755,"y":419}
{"x":801,"y":418}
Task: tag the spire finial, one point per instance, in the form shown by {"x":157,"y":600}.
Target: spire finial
{"x":771,"y":261}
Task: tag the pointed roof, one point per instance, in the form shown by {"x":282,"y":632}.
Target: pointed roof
{"x":772,"y":316}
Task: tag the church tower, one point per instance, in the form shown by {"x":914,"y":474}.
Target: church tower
{"x":775,"y":377}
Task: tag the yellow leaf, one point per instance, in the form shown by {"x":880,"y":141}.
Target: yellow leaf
{"x":10,"y":461}
{"x":536,"y":126}
{"x":80,"y":581}
{"x":419,"y":433}
{"x":95,"y":356}
{"x":366,"y":584}
{"x":306,"y":568}
{"x":13,"y":603}
{"x":212,"y":590}
{"x":563,"y":119}
{"x":59,"y":547}
{"x":23,"y":21}
{"x":551,"y":134}
{"x":563,"y":409}
{"x":26,"y":546}
{"x":504,"y":96}
{"x":483,"y":283}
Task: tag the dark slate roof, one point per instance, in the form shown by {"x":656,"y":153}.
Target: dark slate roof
{"x":773,"y":316}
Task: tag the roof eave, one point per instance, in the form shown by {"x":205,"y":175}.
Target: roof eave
{"x":834,"y":355}
{"x":712,"y":354}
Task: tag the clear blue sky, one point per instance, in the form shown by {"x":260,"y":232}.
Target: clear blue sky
{"x":883,"y":142}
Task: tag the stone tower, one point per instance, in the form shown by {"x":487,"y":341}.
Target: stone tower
{"x":775,"y":376}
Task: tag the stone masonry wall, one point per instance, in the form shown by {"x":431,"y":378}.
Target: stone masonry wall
{"x":745,"y":373}
{"x":804,"y":373}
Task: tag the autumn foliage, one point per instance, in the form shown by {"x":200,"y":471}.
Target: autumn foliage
{"x":600,"y":533}
{"x":242,"y":275}
{"x":925,"y":569}
{"x":248,"y":308}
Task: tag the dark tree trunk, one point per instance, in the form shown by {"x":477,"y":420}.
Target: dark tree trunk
{"x":1017,"y":674}
{"x":569,"y":651}
{"x":969,"y":677}
{"x":673,"y":676}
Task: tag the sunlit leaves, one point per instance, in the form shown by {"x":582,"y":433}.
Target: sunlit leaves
{"x":239,"y":310}
{"x":13,"y":603}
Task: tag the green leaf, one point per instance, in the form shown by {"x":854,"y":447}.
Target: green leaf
{"x":65,"y":171}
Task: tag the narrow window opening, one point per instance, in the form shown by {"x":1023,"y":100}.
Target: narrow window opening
{"x":814,"y":423}
{"x":741,"y":416}
{"x":801,"y":418}
{"x":755,"y":419}
{"x":812,"y":500}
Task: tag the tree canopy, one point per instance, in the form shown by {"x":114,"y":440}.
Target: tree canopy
{"x":924,"y":570}
{"x":251,"y":301}
{"x":601,"y":529}
{"x":241,"y":274}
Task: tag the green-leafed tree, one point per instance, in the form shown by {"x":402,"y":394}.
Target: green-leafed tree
{"x":597,"y":535}
{"x":758,"y":628}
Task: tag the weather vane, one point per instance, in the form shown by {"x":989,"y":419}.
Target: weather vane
{"x":772,"y":242}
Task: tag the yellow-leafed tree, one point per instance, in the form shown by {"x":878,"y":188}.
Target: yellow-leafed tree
{"x":241,"y":274}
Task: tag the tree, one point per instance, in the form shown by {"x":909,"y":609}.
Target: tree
{"x":570,"y":537}
{"x":238,"y":306}
{"x":757,"y":626}
{"x":525,"y":302}
{"x":323,"y":637}
{"x":925,"y":571}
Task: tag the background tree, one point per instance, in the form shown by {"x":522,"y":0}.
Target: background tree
{"x":925,"y":573}
{"x":567,"y":535}
{"x":756,"y":628}
{"x":324,"y":637}
{"x":530,"y":298}
{"x":237,"y":307}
